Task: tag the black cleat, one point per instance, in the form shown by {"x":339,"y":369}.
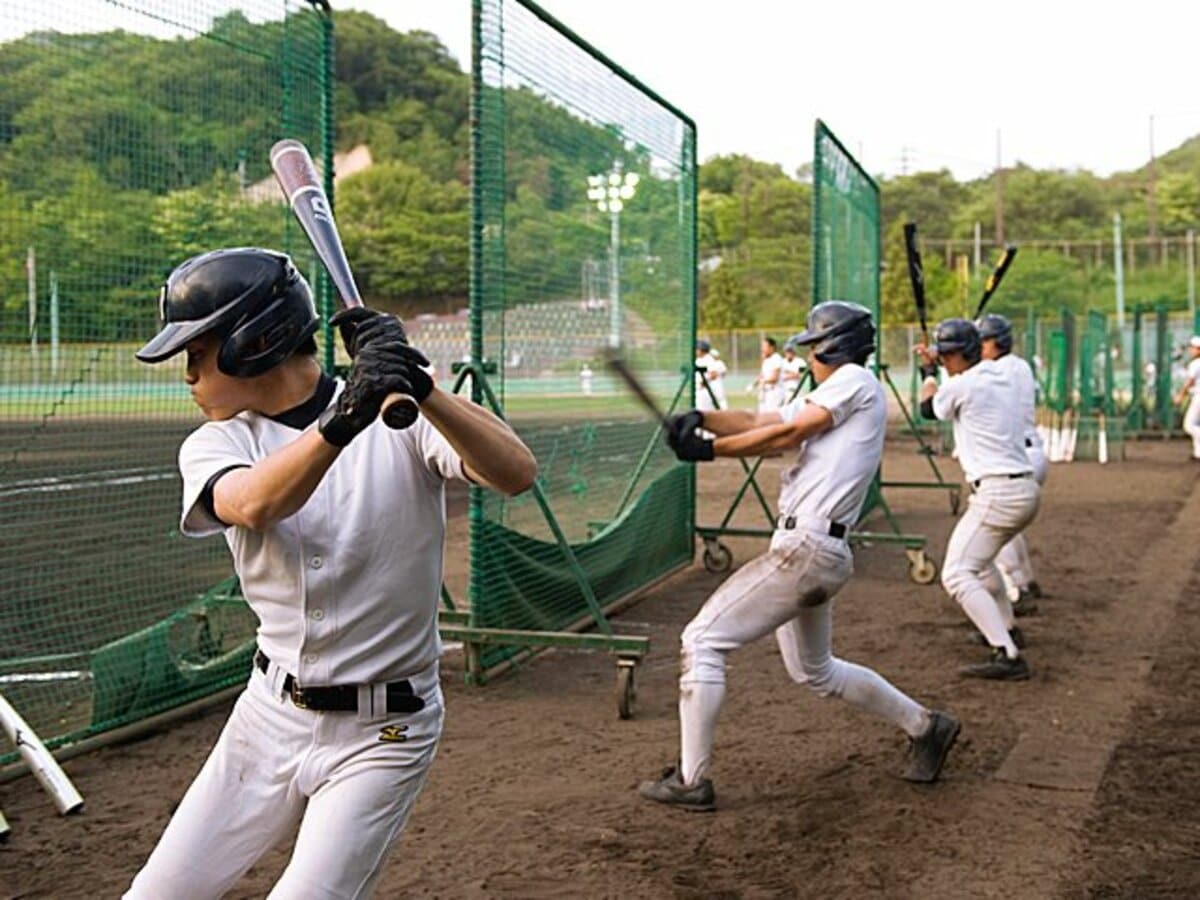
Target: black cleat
{"x":1024,"y":605}
{"x":1015,"y":633}
{"x":671,"y":790}
{"x":1035,"y":590}
{"x":998,"y":668}
{"x":928,"y":752}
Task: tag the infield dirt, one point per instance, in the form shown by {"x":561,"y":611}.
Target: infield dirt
{"x":533,"y":792}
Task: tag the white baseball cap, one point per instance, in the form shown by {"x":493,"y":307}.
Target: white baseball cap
{"x":1195,"y":341}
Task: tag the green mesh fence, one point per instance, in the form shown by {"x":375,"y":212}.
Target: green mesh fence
{"x":583,"y":238}
{"x":132,"y":135}
{"x":845,"y":223}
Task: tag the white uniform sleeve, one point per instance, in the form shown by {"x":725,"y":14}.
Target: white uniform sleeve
{"x":841,"y":396}
{"x":1193,"y":369}
{"x":435,"y":452}
{"x":206,"y":451}
{"x":948,"y":398}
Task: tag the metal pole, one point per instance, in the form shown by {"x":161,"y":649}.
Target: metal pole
{"x":1191,"y":270}
{"x":614,"y":282}
{"x":31,"y":284}
{"x":53,"y":323}
{"x":1118,"y":271}
{"x":978,"y":247}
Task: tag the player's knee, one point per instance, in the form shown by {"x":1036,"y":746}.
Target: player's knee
{"x":824,"y":679}
{"x":956,"y":579}
{"x":700,"y":662}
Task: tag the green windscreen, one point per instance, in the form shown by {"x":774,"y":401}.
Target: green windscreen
{"x":583,"y":239}
{"x":846,"y":249}
{"x":132,"y":136}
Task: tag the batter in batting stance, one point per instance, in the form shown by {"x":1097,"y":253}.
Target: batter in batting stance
{"x":989,"y":435}
{"x":336,"y":527}
{"x":837,"y":434}
{"x":1013,"y":560}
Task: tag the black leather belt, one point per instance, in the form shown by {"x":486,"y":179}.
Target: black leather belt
{"x":1012,"y":475}
{"x":1028,"y":442}
{"x":836,"y":529}
{"x":342,"y":697}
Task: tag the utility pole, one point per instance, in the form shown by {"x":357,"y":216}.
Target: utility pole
{"x":999,"y":194}
{"x":1152,"y":190}
{"x":1118,"y":272}
{"x":1191,"y":270}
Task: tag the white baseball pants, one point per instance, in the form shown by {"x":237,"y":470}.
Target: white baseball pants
{"x":1013,"y":560}
{"x":787,"y":590}
{"x":349,"y":784}
{"x":1191,"y":424}
{"x":998,"y":509}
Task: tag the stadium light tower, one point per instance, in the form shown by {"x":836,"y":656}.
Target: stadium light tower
{"x":610,"y":192}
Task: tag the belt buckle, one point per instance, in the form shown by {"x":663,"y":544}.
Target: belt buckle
{"x":297,"y":694}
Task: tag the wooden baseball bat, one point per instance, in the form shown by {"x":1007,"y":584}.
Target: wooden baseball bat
{"x":621,"y":368}
{"x":995,"y":278}
{"x":44,"y":766}
{"x":4,"y":829}
{"x":916,"y":275}
{"x":297,"y":176}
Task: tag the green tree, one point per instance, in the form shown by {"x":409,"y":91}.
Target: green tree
{"x":724,"y":306}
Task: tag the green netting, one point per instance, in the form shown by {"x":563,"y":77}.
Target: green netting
{"x":583,"y":238}
{"x":846,"y":248}
{"x":132,"y":135}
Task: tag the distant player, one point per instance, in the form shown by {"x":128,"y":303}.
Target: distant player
{"x":770,"y":377}
{"x":710,"y":369}
{"x":1191,"y":388}
{"x":793,"y":372}
{"x":836,"y":433}
{"x":1013,"y":561}
{"x":336,"y":526}
{"x":989,"y":436}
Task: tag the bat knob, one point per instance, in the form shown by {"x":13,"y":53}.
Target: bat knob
{"x":399,"y":411}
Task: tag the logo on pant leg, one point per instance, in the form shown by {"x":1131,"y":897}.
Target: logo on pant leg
{"x":393,"y":734}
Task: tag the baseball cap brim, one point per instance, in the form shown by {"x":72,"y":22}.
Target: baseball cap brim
{"x":803,"y":339}
{"x":173,"y":338}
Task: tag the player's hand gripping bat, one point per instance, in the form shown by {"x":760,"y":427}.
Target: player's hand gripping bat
{"x":44,"y":766}
{"x":994,"y":279}
{"x":294,"y":169}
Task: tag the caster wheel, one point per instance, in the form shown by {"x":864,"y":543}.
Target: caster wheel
{"x":717,"y":558}
{"x":626,"y":691}
{"x":921,"y":568}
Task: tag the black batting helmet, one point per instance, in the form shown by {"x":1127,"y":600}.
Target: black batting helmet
{"x":253,"y":299}
{"x":839,"y":332}
{"x":958,"y":336}
{"x":995,"y":327}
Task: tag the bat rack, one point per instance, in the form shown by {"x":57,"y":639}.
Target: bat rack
{"x":718,"y":557}
{"x":457,"y":624}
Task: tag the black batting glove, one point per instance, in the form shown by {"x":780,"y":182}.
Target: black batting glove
{"x":359,"y":324}
{"x":411,"y":372}
{"x":693,"y":448}
{"x":377,"y":372}
{"x":928,"y":370}
{"x":677,"y":427}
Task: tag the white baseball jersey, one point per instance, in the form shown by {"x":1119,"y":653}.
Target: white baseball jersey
{"x":770,"y":396}
{"x":989,"y":431}
{"x":793,"y":374}
{"x":715,"y":370}
{"x":1193,"y":372}
{"x":833,"y":470}
{"x":1025,"y":388}
{"x":346,"y":589}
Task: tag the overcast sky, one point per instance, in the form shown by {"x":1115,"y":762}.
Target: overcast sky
{"x":925,"y":84}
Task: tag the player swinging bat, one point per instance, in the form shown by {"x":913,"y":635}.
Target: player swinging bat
{"x":297,"y":176}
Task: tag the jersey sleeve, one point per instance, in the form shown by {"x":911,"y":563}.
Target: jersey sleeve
{"x":440,"y":459}
{"x":840,"y":396}
{"x":948,"y":398}
{"x":207,"y":452}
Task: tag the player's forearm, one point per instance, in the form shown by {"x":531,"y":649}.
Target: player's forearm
{"x":277,"y":485}
{"x":757,"y":441}
{"x":729,"y":421}
{"x":490,"y":449}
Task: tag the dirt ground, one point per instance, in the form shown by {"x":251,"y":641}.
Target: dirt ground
{"x":1082,"y":782}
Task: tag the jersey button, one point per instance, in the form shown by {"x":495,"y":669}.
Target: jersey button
{"x":318,"y":614}
{"x":316,"y":562}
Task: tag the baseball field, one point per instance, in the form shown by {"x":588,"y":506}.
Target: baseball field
{"x":1082,"y":782}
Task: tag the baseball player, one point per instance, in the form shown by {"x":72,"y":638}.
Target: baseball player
{"x":769,"y":381}
{"x":1191,"y":386}
{"x":836,"y":433}
{"x":989,"y":435}
{"x":336,"y":525}
{"x":1013,"y":560}
{"x":710,"y":368}
{"x":793,"y":371}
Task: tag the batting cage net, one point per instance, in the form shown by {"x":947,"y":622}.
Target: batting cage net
{"x":845,"y":226}
{"x":132,"y":135}
{"x":583,"y":240}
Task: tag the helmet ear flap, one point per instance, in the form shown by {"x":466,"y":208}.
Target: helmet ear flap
{"x":262,"y":341}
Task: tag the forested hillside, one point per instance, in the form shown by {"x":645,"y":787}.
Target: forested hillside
{"x":406,"y":219}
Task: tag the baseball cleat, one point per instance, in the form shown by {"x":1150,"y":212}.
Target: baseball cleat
{"x":998,"y":668}
{"x":671,"y":790}
{"x":1015,"y":633}
{"x":928,"y":752}
{"x":1035,"y":590}
{"x":1024,"y":604}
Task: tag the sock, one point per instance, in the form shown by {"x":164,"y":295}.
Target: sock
{"x":699,"y":707}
